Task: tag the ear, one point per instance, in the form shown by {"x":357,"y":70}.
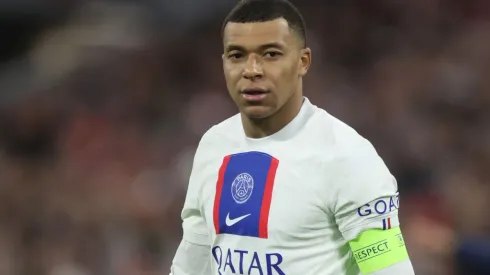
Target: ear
{"x":304,"y":61}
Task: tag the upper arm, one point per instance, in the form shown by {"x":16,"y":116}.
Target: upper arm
{"x":192,"y":256}
{"x":365,"y":207}
{"x":193,"y":222}
{"x":367,"y":195}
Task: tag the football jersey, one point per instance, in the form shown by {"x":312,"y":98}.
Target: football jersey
{"x":287,"y":203}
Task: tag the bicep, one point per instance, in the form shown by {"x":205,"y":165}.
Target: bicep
{"x":367,"y":195}
{"x":193,"y":222}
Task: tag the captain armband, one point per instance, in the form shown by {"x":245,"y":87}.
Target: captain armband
{"x":376,"y":249}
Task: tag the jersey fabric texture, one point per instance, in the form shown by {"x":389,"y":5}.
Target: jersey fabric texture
{"x":288,"y":203}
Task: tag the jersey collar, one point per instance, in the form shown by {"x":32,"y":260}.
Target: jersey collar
{"x":293,"y":127}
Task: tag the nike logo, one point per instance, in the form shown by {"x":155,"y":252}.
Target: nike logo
{"x":231,"y":222}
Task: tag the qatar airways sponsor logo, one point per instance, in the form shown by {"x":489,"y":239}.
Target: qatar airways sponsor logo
{"x":244,"y":262}
{"x":380,"y":206}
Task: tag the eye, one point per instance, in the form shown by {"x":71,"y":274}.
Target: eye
{"x":272,"y":54}
{"x":235,"y":56}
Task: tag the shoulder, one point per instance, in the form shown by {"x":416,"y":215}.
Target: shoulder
{"x":352,"y":170}
{"x":337,"y":140}
{"x":218,"y":136}
{"x":345,"y":152}
{"x":228,"y":127}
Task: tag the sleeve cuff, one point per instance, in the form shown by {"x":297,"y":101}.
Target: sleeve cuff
{"x":196,"y":238}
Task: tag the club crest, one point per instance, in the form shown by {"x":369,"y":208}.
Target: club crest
{"x":242,"y":188}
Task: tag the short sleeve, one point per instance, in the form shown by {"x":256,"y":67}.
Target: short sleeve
{"x":193,"y":223}
{"x":366,"y":195}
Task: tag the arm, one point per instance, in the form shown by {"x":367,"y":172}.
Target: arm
{"x":366,"y":211}
{"x":381,"y":252}
{"x":191,"y":259}
{"x":193,"y":254}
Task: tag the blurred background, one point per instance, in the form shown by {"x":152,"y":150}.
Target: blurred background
{"x":102,"y":104}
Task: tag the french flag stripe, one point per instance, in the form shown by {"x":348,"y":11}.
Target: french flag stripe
{"x":386,"y":223}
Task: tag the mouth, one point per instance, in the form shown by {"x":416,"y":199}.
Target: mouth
{"x":254,"y":94}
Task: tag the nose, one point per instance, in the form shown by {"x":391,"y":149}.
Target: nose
{"x":253,"y":69}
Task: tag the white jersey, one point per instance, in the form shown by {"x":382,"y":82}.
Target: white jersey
{"x":290,"y":202}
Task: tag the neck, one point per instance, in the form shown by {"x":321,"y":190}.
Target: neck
{"x":259,"y":128}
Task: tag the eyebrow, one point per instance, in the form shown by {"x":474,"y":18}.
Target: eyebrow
{"x":232,"y":47}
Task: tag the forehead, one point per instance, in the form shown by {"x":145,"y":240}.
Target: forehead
{"x":250,"y":34}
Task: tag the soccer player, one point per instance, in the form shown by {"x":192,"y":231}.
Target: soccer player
{"x":283,"y":187}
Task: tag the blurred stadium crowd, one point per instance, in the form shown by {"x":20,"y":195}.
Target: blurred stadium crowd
{"x":102,"y":105}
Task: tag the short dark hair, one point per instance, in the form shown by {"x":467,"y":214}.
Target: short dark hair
{"x":250,"y":11}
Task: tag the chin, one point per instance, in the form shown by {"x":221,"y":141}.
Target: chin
{"x":257,"y":112}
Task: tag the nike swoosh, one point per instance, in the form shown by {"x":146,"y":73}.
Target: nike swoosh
{"x":231,"y":222}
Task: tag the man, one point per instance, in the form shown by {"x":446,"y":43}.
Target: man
{"x":283,"y":187}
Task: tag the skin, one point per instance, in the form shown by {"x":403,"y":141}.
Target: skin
{"x":269,"y":56}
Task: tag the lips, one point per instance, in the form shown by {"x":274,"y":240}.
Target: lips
{"x":254,"y":91}
{"x":254,"y":94}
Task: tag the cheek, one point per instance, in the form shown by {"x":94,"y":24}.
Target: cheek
{"x":232,"y":74}
{"x":286,"y":74}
